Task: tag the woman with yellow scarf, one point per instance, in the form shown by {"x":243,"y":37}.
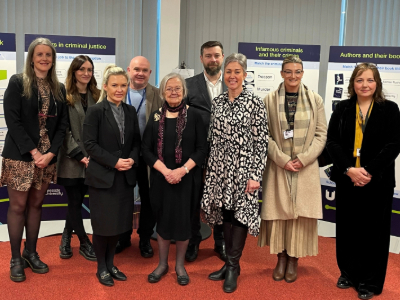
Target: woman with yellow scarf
{"x":363,"y":142}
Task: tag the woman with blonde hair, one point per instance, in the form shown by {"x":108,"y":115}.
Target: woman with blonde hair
{"x":291,"y":196}
{"x":82,"y":92}
{"x":111,"y":138}
{"x":37,"y":119}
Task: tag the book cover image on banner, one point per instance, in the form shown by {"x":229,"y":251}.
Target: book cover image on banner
{"x":264,"y":63}
{"x":101,"y":50}
{"x":8,"y":67}
{"x":342,"y":61}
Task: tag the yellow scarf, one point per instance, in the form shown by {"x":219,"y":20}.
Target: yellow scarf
{"x":359,"y":134}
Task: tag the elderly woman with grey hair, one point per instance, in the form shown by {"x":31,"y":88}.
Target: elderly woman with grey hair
{"x":238,"y":139}
{"x":174,"y":146}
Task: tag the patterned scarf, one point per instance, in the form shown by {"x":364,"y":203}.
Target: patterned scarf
{"x":180,"y":126}
{"x":294,"y":146}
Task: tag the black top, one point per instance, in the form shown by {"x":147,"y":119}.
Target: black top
{"x":21,"y":115}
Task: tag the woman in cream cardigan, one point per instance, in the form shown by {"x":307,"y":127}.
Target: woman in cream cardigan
{"x":291,"y":184}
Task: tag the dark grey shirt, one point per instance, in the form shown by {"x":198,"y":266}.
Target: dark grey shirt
{"x":119,"y":116}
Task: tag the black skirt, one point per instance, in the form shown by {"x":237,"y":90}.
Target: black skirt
{"x":111,"y":210}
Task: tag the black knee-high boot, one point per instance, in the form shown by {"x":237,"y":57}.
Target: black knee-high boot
{"x":220,"y":274}
{"x":238,"y":235}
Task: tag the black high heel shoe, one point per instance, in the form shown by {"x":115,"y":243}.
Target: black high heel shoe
{"x":17,"y":273}
{"x":153,"y":278}
{"x":32,"y":260}
{"x":182,"y":280}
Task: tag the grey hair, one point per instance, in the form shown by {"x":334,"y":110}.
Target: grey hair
{"x":292,"y":59}
{"x":171,"y":76}
{"x":29,"y":75}
{"x":111,"y":70}
{"x":240,"y":58}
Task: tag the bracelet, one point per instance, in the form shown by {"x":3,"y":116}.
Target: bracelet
{"x":186,"y":169}
{"x":34,"y":153}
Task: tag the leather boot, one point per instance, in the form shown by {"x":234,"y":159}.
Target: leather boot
{"x":238,"y":235}
{"x":291,"y":269}
{"x":32,"y":260}
{"x":65,"y":246}
{"x":279,"y":271}
{"x":17,"y":273}
{"x":86,"y":249}
{"x":220,"y":274}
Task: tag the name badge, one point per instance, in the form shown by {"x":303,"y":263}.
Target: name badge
{"x":358,"y":151}
{"x":288,"y":134}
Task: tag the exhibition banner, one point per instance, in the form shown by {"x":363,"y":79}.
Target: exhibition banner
{"x":342,"y":61}
{"x":102,"y":53}
{"x":100,"y":50}
{"x":264,"y":63}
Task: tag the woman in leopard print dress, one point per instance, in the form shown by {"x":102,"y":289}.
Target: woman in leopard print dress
{"x":36,"y":117}
{"x":238,"y":138}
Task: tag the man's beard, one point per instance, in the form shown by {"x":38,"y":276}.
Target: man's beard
{"x":212,"y":71}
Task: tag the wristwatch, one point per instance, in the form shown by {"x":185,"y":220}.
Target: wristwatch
{"x":186,"y":169}
{"x":345,"y":172}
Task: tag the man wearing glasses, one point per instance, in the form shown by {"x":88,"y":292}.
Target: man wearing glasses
{"x":145,"y":98}
{"x":202,"y":89}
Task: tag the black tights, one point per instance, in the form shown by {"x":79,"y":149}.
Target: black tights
{"x":25,"y":209}
{"x":104,"y":248}
{"x":229,"y":216}
{"x":76,"y":194}
{"x":163,"y":250}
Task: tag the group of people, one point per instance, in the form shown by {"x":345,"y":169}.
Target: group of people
{"x":199,"y":147}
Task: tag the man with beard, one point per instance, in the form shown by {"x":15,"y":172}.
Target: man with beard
{"x":145,"y":98}
{"x":202,"y":89}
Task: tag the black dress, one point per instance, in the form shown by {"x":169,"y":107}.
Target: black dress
{"x":363,"y":214}
{"x":173,"y":204}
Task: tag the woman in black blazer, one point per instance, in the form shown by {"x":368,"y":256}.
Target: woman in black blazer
{"x":82,"y":92}
{"x":111,"y":138}
{"x":364,"y":141}
{"x":36,"y":117}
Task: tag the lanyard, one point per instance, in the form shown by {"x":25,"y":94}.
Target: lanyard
{"x":364,"y":124}
{"x":141,"y":101}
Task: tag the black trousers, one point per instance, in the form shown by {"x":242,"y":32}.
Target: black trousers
{"x":196,"y":225}
{"x":146,"y":218}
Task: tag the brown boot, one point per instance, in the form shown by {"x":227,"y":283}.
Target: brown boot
{"x":291,"y":269}
{"x":279,"y":271}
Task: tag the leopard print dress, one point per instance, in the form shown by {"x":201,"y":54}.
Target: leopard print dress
{"x":238,"y":139}
{"x":21,"y":175}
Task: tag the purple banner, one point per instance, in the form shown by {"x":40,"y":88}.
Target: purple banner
{"x":76,"y":44}
{"x":7,"y":42}
{"x":358,"y":54}
{"x":260,"y":51}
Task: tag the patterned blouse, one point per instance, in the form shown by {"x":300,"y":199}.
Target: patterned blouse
{"x":238,"y":152}
{"x":20,"y":175}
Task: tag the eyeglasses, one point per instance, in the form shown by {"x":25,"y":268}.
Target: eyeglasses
{"x":296,"y":73}
{"x":40,"y":102}
{"x":176,"y":90}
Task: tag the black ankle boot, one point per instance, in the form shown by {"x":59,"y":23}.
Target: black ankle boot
{"x":86,"y":249}
{"x":238,"y":235}
{"x":65,"y":246}
{"x":17,"y":273}
{"x":32,"y":260}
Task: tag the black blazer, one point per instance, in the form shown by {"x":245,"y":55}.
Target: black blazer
{"x":199,"y":98}
{"x":380,"y":146}
{"x":101,"y":138}
{"x":22,"y":120}
{"x":194,"y":140}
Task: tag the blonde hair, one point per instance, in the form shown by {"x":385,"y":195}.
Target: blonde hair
{"x":111,"y":70}
{"x":292,"y":59}
{"x":29,"y":75}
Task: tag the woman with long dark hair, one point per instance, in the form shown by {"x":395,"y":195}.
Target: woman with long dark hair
{"x":82,"y":92}
{"x":364,"y":141}
{"x":37,"y":118}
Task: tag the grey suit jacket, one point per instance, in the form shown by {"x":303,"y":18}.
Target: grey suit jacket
{"x":67,"y":166}
{"x":198,"y":96}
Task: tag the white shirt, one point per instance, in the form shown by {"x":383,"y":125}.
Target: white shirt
{"x":214,"y":90}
